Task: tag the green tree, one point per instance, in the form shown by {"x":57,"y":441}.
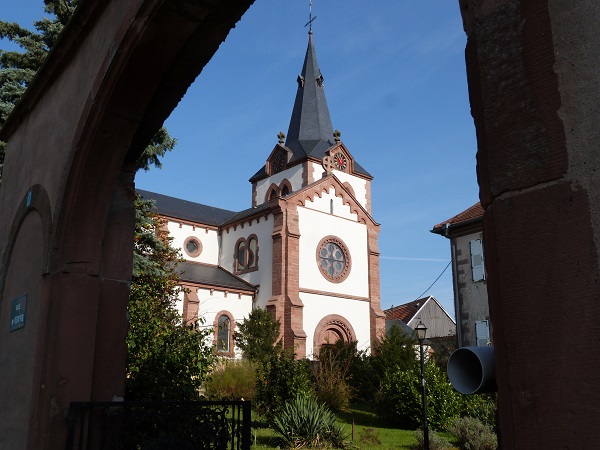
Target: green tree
{"x":166,"y":359}
{"x":280,"y":379}
{"x":395,"y":350}
{"x":257,"y":336}
{"x":18,"y":68}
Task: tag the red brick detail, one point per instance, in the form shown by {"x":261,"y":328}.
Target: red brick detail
{"x":285,"y":301}
{"x":369,"y":204}
{"x":191,"y":303}
{"x":377,"y":316}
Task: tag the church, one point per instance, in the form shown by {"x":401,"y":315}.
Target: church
{"x":306,"y":250}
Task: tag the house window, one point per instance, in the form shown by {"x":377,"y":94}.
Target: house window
{"x":482,"y":332}
{"x":223,"y":333}
{"x":246,"y":254}
{"x":477,"y":267}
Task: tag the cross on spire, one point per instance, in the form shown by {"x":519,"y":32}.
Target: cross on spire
{"x":310,"y":17}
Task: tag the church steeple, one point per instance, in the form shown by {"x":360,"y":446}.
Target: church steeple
{"x":310,"y":132}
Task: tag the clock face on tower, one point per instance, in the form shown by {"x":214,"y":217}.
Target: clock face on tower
{"x":340,"y":161}
{"x":278,"y":162}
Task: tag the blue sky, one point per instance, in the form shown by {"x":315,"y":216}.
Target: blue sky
{"x":396,"y":88}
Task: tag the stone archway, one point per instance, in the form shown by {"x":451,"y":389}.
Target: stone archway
{"x":67,"y":218}
{"x":331,"y":329}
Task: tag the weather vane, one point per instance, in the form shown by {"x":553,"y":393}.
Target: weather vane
{"x":310,"y":17}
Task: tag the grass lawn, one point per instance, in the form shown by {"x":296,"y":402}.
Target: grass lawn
{"x":366,"y":427}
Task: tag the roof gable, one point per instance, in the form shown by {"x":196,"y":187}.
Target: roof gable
{"x":324,"y":185}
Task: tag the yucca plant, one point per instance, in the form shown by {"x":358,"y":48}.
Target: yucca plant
{"x":304,"y":422}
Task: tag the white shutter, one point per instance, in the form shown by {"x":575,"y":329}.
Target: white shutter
{"x":477,"y":268}
{"x":482,"y":331}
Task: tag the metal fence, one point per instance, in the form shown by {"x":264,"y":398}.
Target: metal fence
{"x":159,"y":425}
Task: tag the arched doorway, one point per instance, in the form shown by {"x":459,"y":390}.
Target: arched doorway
{"x":330,"y":330}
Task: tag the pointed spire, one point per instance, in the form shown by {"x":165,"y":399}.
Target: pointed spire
{"x":310,"y":130}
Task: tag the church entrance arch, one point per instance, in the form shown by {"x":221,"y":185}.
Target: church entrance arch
{"x":118,"y":70}
{"x":330,"y":330}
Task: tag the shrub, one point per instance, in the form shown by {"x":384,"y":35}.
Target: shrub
{"x":232,"y":380}
{"x":400,"y":397}
{"x":472,"y":434}
{"x":279,"y":380}
{"x":480,"y":406}
{"x":331,"y":373}
{"x":304,"y":422}
{"x":436,"y":442}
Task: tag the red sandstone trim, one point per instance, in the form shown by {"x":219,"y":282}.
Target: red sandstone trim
{"x":333,"y":294}
{"x":334,"y":322}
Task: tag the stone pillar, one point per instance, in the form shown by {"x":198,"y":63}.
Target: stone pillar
{"x":535,"y":97}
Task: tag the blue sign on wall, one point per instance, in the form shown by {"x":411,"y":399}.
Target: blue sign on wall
{"x":17,"y":315}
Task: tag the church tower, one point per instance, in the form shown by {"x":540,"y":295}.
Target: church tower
{"x":311,"y":146}
{"x":325,"y":284}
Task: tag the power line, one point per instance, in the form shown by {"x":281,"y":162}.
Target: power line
{"x":431,"y":285}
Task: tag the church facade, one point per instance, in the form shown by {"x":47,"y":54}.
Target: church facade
{"x":306,"y":249}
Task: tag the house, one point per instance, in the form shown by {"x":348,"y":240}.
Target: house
{"x":305,"y":249}
{"x":427,"y":310}
{"x":468,"y":272}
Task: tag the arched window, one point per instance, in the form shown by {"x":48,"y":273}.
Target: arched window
{"x":224,"y":324}
{"x":252,"y":252}
{"x":246,"y":255}
{"x":285,"y":188}
{"x":272,"y":192}
{"x":240,"y":255}
{"x":223,"y":333}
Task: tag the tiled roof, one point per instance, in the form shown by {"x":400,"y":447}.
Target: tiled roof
{"x":474,"y":212}
{"x":405,"y":312}
{"x":186,"y":210}
{"x":211,"y":275}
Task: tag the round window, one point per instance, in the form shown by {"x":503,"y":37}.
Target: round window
{"x":333,"y":259}
{"x":192,"y":246}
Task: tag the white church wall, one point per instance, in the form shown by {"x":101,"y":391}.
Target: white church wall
{"x":359,"y":185}
{"x":208,"y":238}
{"x":261,"y":277}
{"x":356,"y":312}
{"x":293,"y":175}
{"x":324,"y":204}
{"x":314,"y":226}
{"x":317,"y":170}
{"x":237,"y":306}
